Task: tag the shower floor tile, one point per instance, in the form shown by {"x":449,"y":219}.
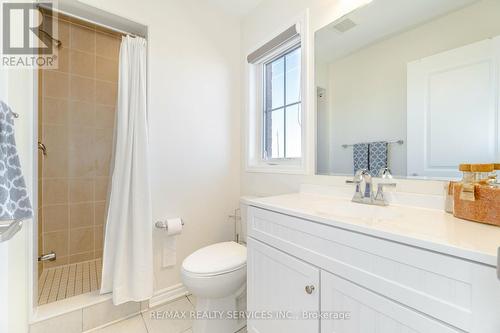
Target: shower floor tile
{"x":66,"y":281}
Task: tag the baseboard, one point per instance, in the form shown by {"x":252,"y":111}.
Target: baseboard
{"x":168,"y":295}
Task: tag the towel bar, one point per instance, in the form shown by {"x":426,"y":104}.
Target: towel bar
{"x":399,"y":142}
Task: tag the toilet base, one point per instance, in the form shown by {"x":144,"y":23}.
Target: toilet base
{"x":209,"y":306}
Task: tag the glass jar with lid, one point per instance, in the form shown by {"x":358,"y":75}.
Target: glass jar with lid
{"x":482,"y":172}
{"x":448,"y":196}
{"x":467,"y":183}
{"x":494,"y":178}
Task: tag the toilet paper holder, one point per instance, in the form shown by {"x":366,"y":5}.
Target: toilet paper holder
{"x":163,"y":224}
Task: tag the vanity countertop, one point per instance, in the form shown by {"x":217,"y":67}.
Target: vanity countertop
{"x":430,"y":229}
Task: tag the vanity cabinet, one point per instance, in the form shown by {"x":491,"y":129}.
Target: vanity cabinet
{"x":369,"y":312}
{"x":278,"y":290}
{"x":385,"y":286}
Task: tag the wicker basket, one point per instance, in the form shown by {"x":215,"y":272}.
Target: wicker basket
{"x":485,"y":209}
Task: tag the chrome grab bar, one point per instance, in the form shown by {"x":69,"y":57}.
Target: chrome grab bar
{"x":8,"y":231}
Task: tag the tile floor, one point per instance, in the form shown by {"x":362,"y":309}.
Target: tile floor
{"x":142,"y":323}
{"x":71,"y":280}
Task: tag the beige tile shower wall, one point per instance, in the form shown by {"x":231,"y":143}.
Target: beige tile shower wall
{"x":78,"y":108}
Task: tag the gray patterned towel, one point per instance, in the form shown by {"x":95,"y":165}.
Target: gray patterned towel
{"x":378,"y":156}
{"x":360,"y":156}
{"x":14,"y":200}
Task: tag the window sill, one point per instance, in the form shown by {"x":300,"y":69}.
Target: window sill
{"x":295,"y":169}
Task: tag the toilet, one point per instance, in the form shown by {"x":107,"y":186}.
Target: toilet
{"x":216,"y":276}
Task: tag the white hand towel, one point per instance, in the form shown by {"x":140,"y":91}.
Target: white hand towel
{"x":170,"y":242}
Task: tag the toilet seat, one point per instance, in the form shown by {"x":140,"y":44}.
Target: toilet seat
{"x":216,"y":259}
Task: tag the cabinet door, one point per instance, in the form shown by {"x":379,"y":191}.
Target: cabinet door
{"x":277,"y":286}
{"x":369,"y":312}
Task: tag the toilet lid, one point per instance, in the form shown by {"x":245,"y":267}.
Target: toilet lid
{"x":216,"y":259}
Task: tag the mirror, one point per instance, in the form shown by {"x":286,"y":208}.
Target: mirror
{"x":409,"y":85}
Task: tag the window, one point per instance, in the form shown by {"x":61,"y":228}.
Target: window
{"x":282,"y":120}
{"x":278,"y":124}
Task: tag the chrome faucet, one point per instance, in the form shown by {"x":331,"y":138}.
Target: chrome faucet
{"x":365,"y":195}
{"x":362,"y":195}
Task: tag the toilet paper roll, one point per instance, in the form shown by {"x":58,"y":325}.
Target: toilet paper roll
{"x":174,"y":226}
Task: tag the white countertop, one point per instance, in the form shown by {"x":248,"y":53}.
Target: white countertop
{"x":430,"y":229}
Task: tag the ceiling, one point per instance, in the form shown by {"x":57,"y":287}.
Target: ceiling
{"x":235,"y":7}
{"x":377,"y":20}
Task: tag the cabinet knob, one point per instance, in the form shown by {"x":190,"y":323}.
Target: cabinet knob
{"x":310,"y":289}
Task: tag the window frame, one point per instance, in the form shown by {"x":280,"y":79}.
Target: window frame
{"x":253,"y":122}
{"x":283,"y":54}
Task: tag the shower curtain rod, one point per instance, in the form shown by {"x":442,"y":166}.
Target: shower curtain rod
{"x":108,"y":27}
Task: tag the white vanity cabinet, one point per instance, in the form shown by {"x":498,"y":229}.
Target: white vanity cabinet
{"x":370,"y":312}
{"x":385,"y":286}
{"x":278,"y":290}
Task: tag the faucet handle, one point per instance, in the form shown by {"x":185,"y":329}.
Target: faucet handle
{"x":358,"y":177}
{"x":380,"y":197}
{"x":357,"y":180}
{"x":385,"y":173}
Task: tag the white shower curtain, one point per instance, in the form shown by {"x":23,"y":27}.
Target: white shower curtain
{"x":128,"y":247}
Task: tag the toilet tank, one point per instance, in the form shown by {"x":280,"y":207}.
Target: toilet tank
{"x":242,"y":228}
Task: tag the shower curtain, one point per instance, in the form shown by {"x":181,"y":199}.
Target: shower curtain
{"x":128,"y":247}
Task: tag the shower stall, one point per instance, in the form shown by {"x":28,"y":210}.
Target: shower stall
{"x":76,"y":117}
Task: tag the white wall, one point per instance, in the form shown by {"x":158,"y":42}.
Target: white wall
{"x":15,"y":275}
{"x":4,"y":287}
{"x":16,"y":90}
{"x":377,"y":75}
{"x":194,"y":119}
{"x":4,"y":252}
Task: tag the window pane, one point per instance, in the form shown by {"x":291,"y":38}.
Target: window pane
{"x":293,"y":77}
{"x":293,"y":132}
{"x":277,"y":138}
{"x":275,"y":84}
{"x":282,"y":132}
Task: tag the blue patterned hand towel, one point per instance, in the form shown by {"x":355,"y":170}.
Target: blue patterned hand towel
{"x":378,"y":156}
{"x":360,"y":156}
{"x":14,"y":200}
